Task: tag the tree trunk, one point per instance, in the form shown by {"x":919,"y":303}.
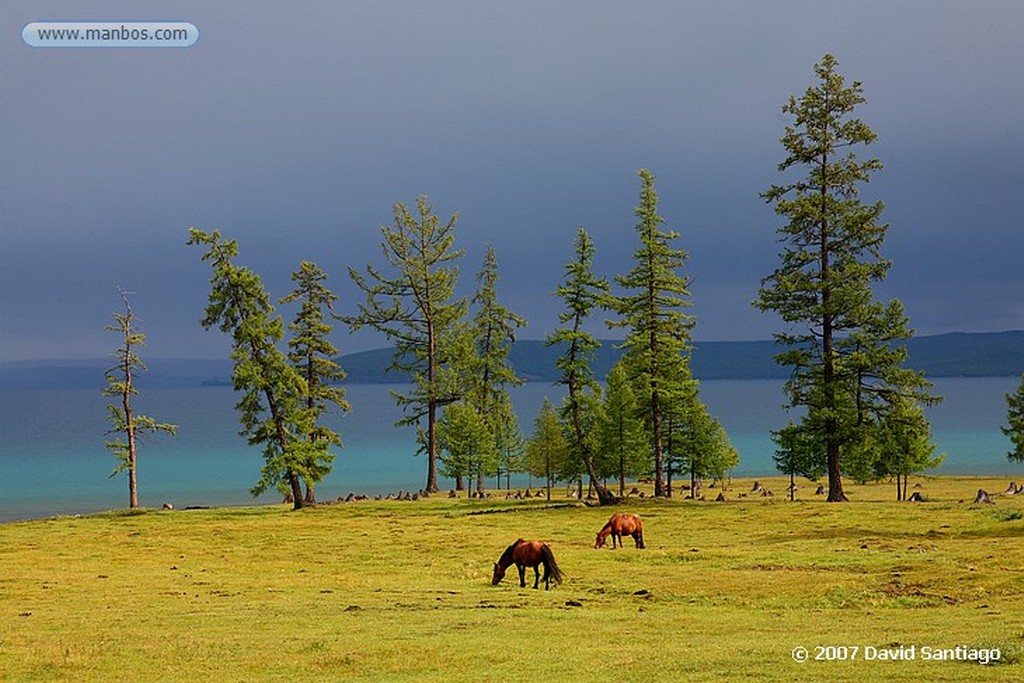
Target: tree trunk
{"x":604,"y":496}
{"x":835,"y":476}
{"x":659,"y":454}
{"x":622,"y":465}
{"x":431,"y":447}
{"x":129,"y":421}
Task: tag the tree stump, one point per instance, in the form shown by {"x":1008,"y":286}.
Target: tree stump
{"x":916,"y":497}
{"x":983,"y":497}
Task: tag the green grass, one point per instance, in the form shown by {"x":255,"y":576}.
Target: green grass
{"x":400,"y":591}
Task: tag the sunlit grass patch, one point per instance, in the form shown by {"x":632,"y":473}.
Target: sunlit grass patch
{"x":401,"y":590}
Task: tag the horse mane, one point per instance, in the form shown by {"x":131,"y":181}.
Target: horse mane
{"x":506,"y":557}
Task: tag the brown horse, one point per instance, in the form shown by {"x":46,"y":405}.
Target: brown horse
{"x":528,"y":554}
{"x":622,"y":525}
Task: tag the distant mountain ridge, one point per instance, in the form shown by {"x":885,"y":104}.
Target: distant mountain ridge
{"x":957,"y":354}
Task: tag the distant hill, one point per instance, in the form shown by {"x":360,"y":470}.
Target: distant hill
{"x":995,"y":354}
{"x":959,"y":354}
{"x":88,"y":373}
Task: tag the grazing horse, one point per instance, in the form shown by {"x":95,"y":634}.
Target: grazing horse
{"x":528,"y":554}
{"x":622,"y":525}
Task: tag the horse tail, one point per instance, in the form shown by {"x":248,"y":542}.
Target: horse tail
{"x":640,"y":532}
{"x":550,"y":566}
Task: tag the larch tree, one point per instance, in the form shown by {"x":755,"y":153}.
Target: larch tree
{"x":414,"y":305}
{"x":581,"y":291}
{"x":511,"y":443}
{"x":311,"y":352}
{"x":652,"y":310}
{"x":906,"y":445}
{"x":490,"y":375}
{"x":621,"y":429}
{"x":798,"y":454}
{"x":1015,"y":423}
{"x":546,"y":447}
{"x":121,"y":384}
{"x":467,"y":442}
{"x":698,"y":441}
{"x":271,"y":410}
{"x":844,"y":348}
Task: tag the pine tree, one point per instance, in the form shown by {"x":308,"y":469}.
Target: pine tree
{"x":652,"y":310}
{"x":906,"y":444}
{"x":510,"y":442}
{"x":546,"y":448}
{"x":696,"y":442}
{"x":121,"y":383}
{"x":416,"y":308}
{"x":271,"y":409}
{"x":621,"y":433}
{"x":312,"y":354}
{"x":845,"y":349}
{"x":465,"y":437}
{"x":1015,"y":420}
{"x":797,"y":453}
{"x":490,"y":374}
{"x":581,"y":291}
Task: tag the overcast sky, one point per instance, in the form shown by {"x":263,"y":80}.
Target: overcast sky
{"x":294,"y":126}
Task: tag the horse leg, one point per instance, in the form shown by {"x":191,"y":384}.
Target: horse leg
{"x":522,"y":574}
{"x":536,"y":576}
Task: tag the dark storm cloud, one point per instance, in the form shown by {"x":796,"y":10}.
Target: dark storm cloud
{"x":293,"y":127}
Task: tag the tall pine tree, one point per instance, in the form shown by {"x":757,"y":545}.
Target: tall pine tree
{"x":581,"y":291}
{"x":490,"y":374}
{"x":312,"y":354}
{"x":121,"y":384}
{"x":415,"y":306}
{"x":652,"y":309}
{"x":271,"y":409}
{"x":844,"y":348}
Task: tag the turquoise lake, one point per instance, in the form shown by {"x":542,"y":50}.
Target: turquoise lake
{"x":53,"y":461}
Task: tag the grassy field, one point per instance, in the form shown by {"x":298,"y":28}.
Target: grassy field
{"x":400,"y":591}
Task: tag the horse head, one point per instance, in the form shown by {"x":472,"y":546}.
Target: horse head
{"x":499,"y":574}
{"x":599,"y":542}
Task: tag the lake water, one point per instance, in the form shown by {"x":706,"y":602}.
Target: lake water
{"x":52,"y":458}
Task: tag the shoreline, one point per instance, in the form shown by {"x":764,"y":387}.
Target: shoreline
{"x":944,"y":489}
